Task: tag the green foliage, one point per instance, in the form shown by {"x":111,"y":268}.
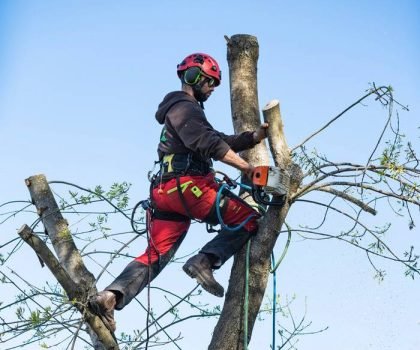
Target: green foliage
{"x":99,"y":224}
{"x":412,"y":266}
{"x":35,"y":318}
{"x":20,"y":313}
{"x":379,"y":275}
{"x":311,"y":162}
{"x":391,"y":154}
{"x":395,"y":158}
{"x":117,"y":195}
{"x":391,"y":177}
{"x":118,"y":192}
{"x":216,"y":310}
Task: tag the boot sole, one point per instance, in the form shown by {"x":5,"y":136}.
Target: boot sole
{"x":195,"y":273}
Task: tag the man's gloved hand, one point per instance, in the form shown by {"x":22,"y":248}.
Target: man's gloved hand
{"x":249,"y":171}
{"x":260,"y":133}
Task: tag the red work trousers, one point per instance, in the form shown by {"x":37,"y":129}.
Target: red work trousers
{"x":198,"y":201}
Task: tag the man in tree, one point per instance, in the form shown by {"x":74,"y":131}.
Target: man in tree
{"x":185,"y":189}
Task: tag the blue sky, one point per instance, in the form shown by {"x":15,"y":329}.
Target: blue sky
{"x":80,"y":82}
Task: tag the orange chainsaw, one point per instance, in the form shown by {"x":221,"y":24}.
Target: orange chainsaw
{"x":270,"y":185}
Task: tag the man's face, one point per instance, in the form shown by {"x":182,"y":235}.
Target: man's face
{"x":207,"y":86}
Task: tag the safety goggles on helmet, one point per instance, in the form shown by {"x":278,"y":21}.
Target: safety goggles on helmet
{"x":194,"y":74}
{"x":210,"y":82}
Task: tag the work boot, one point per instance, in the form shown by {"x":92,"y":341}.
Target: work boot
{"x":200,"y":268}
{"x":103,"y":304}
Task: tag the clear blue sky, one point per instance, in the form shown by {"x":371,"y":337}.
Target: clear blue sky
{"x":80,"y":82}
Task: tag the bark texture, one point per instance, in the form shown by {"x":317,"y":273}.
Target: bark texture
{"x":229,"y":332}
{"x":68,"y":267}
{"x":276,"y":137}
{"x":57,"y":228}
{"x":242,"y":56}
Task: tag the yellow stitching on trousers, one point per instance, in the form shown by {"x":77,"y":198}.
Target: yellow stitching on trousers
{"x":183,"y":187}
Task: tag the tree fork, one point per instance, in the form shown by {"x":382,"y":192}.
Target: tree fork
{"x":69,"y":269}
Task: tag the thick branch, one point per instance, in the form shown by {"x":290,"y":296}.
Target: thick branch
{"x":57,"y":229}
{"x":349,"y":198}
{"x":359,"y":170}
{"x":74,"y":291}
{"x":360,"y":185}
{"x":49,"y":259}
{"x":80,"y":282}
{"x":276,"y":137}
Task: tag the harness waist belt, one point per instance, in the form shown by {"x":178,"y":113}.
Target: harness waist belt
{"x":183,"y":164}
{"x":169,"y":216}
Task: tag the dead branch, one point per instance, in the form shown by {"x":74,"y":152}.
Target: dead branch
{"x":50,"y":260}
{"x":349,"y":198}
{"x":360,"y":185}
{"x":69,"y":268}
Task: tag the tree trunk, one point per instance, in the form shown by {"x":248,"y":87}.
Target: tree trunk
{"x":229,"y":332}
{"x":69,"y":269}
{"x":242,"y":56}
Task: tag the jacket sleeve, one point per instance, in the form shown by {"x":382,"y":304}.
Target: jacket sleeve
{"x":190,"y":123}
{"x":240,"y":142}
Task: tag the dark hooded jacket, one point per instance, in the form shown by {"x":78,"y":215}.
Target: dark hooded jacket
{"x":187,"y":130}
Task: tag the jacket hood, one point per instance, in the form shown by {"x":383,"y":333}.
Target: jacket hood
{"x":168,"y":101}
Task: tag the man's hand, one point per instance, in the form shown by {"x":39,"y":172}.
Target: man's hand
{"x":249,"y":171}
{"x":261,"y":132}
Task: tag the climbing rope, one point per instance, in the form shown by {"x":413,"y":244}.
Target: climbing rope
{"x":246,"y":303}
{"x":219,"y":215}
{"x":273,"y":271}
{"x":274,"y":303}
{"x":289,"y":238}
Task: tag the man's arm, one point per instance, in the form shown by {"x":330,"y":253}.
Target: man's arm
{"x":245,"y":140}
{"x":231,"y":158}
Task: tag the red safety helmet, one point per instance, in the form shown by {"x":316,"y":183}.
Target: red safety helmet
{"x":206,"y":63}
